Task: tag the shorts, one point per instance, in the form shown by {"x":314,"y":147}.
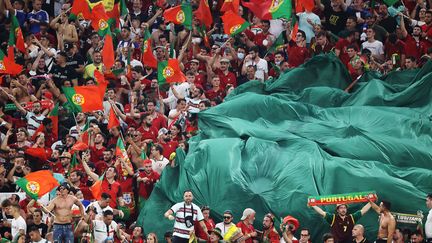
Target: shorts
{"x":381,"y":241}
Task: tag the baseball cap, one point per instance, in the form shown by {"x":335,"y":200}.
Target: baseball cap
{"x":247,"y":212}
{"x":225,"y":60}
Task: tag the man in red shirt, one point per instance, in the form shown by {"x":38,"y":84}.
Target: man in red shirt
{"x":149,"y":133}
{"x":216,"y":90}
{"x":261,"y":38}
{"x":146,"y":178}
{"x":209,"y":223}
{"x":269,"y":233}
{"x":427,"y":29}
{"x":97,"y":146}
{"x":246,"y":225}
{"x":226,"y":77}
{"x":158,"y":119}
{"x":200,"y":79}
{"x":168,"y":145}
{"x":297,"y":51}
{"x":414,"y":45}
{"x":341,"y":47}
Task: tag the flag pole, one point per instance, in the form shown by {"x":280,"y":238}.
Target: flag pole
{"x":49,"y":212}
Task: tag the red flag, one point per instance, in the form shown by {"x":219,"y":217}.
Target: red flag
{"x":148,"y":59}
{"x":8,"y":65}
{"x":113,"y":121}
{"x":96,"y":188}
{"x":81,"y":8}
{"x":108,"y":51}
{"x":259,"y":8}
{"x":39,"y":153}
{"x":294,"y":32}
{"x":79,"y":146}
{"x":203,"y":13}
{"x":302,"y":5}
{"x":232,"y":5}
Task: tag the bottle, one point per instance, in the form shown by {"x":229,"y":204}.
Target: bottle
{"x":363,"y":35}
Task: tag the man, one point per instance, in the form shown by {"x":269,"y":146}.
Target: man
{"x":342,"y":223}
{"x":159,"y":162}
{"x":81,"y":121}
{"x":358,"y":234}
{"x":106,"y":228}
{"x":62,"y":207}
{"x":97,"y":64}
{"x":246,"y":225}
{"x":137,"y":235}
{"x":250,"y":75}
{"x":35,"y":235}
{"x":335,"y":16}
{"x":215,"y":236}
{"x":158,"y":119}
{"x":148,"y":132}
{"x":428,"y":224}
{"x":398,"y":236}
{"x":288,"y":227}
{"x":36,"y":17}
{"x":417,"y":237}
{"x":260,"y":64}
{"x":216,"y":91}
{"x":34,"y":118}
{"x":328,"y":238}
{"x":226,"y":77}
{"x":210,"y":224}
{"x":186,"y":213}
{"x":226,"y":224}
{"x":375,"y":46}
{"x":96,"y":144}
{"x":297,"y":51}
{"x":145,"y":178}
{"x":410,"y":63}
{"x":414,"y":44}
{"x":269,"y":233}
{"x":18,"y":224}
{"x":101,"y":205}
{"x":304,"y":235}
{"x":37,"y":222}
{"x":61,"y":72}
{"x":341,"y":47}
{"x":178,"y":114}
{"x":322,"y":44}
{"x":387,"y":223}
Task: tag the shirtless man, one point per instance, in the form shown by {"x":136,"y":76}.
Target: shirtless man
{"x":61,"y":205}
{"x":387,"y":222}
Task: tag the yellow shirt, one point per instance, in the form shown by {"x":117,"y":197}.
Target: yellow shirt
{"x":89,"y":70}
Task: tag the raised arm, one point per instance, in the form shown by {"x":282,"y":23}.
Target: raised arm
{"x":86,"y":158}
{"x":365,"y":209}
{"x":319,"y":211}
{"x":375,"y":207}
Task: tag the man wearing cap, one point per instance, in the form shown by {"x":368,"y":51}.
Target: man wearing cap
{"x":62,"y":208}
{"x":226,"y":223}
{"x":168,"y":145}
{"x":200,"y":78}
{"x":269,"y":233}
{"x":215,"y":235}
{"x":63,"y":166}
{"x":226,"y":77}
{"x":246,"y":225}
{"x":186,"y":213}
{"x":145,"y":178}
{"x":342,"y":223}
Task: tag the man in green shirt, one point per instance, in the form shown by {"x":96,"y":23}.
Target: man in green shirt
{"x":342,"y":223}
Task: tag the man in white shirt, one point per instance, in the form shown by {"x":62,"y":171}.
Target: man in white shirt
{"x":260,"y":64}
{"x":35,"y":235}
{"x":101,"y":205}
{"x":375,"y":46}
{"x":428,"y":224}
{"x":18,"y":224}
{"x":34,"y":119}
{"x":106,"y":228}
{"x":186,"y":213}
{"x":227,"y":222}
{"x":159,"y":162}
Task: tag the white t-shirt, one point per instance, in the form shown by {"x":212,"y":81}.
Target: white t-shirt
{"x":181,"y":211}
{"x":17,"y":225}
{"x":159,"y":165}
{"x":428,"y":225}
{"x":224,"y":228}
{"x":193,"y":105}
{"x":261,"y":68}
{"x":101,"y":232}
{"x":33,"y":122}
{"x":182,"y":89}
{"x":306,"y":27}
{"x":375,"y":47}
{"x":99,"y":210}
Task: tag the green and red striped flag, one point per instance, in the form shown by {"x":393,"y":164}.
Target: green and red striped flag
{"x":53,"y":115}
{"x":346,"y":198}
{"x":120,"y":152}
{"x":96,"y":188}
{"x":148,"y":59}
{"x":233,"y":23}
{"x":84,"y":98}
{"x":100,"y":24}
{"x":170,"y":72}
{"x":36,"y":184}
{"x":267,"y":10}
{"x":8,"y":65}
{"x":181,"y":14}
{"x":73,"y":164}
{"x":16,"y":37}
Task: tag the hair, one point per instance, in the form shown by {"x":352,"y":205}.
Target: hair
{"x":327,"y":236}
{"x":38,"y":210}
{"x":386,"y":204}
{"x":180,"y":100}
{"x":138,"y":69}
{"x":265,"y":22}
{"x":190,"y":73}
{"x":162,"y":37}
{"x":159,"y":148}
{"x":305,"y":229}
{"x":168,"y":234}
{"x":33,"y":228}
{"x":302,"y":33}
{"x":154,"y":236}
{"x":254,"y":49}
{"x":187,"y":190}
{"x":206,"y":102}
{"x":6,"y":203}
{"x":105,"y":196}
{"x":17,"y":197}
{"x":429,"y":196}
{"x":412,"y":58}
{"x":352,"y":47}
{"x":354,"y":18}
{"x":321,"y":34}
{"x":78,"y":173}
{"x":429,"y":12}
{"x":108,"y":213}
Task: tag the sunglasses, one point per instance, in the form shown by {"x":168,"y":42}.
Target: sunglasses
{"x":227,"y":217}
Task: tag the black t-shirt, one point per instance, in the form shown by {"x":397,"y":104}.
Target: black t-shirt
{"x":60,"y":74}
{"x":335,"y":21}
{"x":75,"y":61}
{"x":43,"y":228}
{"x":388,"y":24}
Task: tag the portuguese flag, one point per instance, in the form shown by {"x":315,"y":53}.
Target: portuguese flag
{"x":84,"y":98}
{"x":181,"y":14}
{"x":36,"y":184}
{"x":100,"y":24}
{"x":277,"y":43}
{"x":53,"y":115}
{"x":8,"y":66}
{"x":170,"y":72}
{"x":16,"y":37}
{"x":273,"y":9}
{"x":80,"y":9}
{"x":148,"y":59}
{"x":230,"y":5}
{"x":113,"y":120}
{"x":203,"y":13}
{"x":121,"y":153}
{"x":233,"y":24}
{"x":84,"y":134}
{"x":96,"y":188}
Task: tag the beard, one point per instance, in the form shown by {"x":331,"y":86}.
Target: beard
{"x":148,"y":124}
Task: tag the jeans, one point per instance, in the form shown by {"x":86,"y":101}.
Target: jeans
{"x":63,"y":233}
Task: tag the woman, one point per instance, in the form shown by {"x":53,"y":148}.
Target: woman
{"x":152,"y":238}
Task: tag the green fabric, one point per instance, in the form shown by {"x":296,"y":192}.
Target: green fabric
{"x":282,"y":10}
{"x":271,"y":145}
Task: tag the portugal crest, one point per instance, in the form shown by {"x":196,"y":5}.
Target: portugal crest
{"x":235,"y":28}
{"x":33,"y":187}
{"x":78,"y":99}
{"x":168,"y":72}
{"x":146,"y":44}
{"x":2,"y":66}
{"x":102,"y":24}
{"x":275,"y":5}
{"x":180,"y":17}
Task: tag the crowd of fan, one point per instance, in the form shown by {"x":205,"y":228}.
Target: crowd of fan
{"x":155,"y":121}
